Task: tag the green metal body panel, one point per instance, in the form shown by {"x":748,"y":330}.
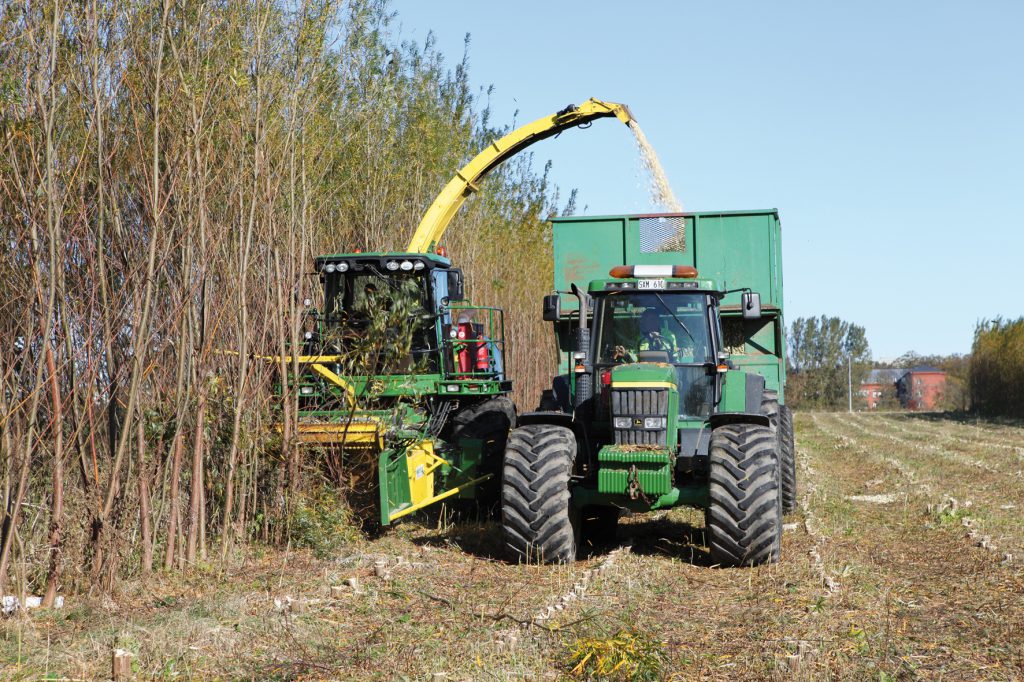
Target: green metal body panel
{"x":734,"y":392}
{"x":393,"y":474}
{"x":684,"y":495}
{"x":733,"y":248}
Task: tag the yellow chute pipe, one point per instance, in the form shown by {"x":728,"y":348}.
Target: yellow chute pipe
{"x":435,"y":221}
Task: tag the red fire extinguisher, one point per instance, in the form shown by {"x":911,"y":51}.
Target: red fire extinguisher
{"x":464,"y":334}
{"x":483,"y":360}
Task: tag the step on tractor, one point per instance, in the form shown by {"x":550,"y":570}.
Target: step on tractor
{"x":399,"y":365}
{"x":671,"y":390}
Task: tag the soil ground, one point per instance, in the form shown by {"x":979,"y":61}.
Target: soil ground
{"x":905,"y":560}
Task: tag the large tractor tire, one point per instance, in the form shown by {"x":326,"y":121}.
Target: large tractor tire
{"x":536,"y":510}
{"x":744,"y":517}
{"x":489,"y":421}
{"x":787,"y":459}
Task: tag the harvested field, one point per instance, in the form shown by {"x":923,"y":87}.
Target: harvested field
{"x":905,"y":560}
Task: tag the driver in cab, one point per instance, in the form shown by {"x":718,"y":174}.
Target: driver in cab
{"x":654,"y":336}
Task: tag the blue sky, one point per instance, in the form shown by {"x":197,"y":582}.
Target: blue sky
{"x":890,"y":135}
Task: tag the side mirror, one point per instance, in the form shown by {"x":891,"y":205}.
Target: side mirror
{"x":750,"y":301}
{"x":456,"y":287}
{"x":552,"y":308}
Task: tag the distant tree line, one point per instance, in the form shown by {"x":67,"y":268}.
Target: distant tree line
{"x":823,"y":354}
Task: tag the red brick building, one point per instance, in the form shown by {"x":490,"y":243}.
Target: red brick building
{"x":877,"y":383}
{"x":920,"y":388}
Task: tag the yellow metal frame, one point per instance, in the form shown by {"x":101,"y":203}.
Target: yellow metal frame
{"x":437,"y":218}
{"x":368,"y":435}
{"x":421,"y":462}
{"x":643,"y":384}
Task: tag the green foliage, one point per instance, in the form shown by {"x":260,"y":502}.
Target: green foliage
{"x":321,"y":522}
{"x":627,"y":656}
{"x":997,"y":368}
{"x":819,"y":349}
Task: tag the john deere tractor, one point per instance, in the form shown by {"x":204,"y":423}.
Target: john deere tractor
{"x":672,"y":389}
{"x":398,"y":364}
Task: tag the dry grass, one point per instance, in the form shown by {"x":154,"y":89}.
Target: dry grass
{"x":880,"y":580}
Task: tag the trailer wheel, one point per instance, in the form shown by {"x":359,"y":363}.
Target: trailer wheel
{"x":777,"y":417}
{"x":787,"y":460}
{"x":536,"y":510}
{"x":770,"y":408}
{"x":744,"y":517}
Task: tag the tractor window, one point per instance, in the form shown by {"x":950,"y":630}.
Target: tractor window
{"x":663,"y":327}
{"x":672,"y":325}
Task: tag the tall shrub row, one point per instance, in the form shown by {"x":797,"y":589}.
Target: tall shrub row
{"x":997,"y":368}
{"x":168,"y":171}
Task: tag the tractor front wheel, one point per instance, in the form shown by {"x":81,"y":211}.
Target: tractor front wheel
{"x":744,"y":517}
{"x":537,"y":518}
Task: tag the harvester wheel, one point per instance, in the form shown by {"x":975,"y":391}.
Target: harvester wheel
{"x":744,"y":517}
{"x":489,"y":421}
{"x":536,"y":515}
{"x":787,"y":460}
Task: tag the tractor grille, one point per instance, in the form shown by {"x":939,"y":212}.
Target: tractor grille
{"x":637,"y":403}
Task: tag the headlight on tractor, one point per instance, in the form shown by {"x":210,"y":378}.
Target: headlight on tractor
{"x":654,"y":422}
{"x":623,"y":422}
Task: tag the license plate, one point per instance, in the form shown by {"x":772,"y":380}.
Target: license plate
{"x":650,"y":284}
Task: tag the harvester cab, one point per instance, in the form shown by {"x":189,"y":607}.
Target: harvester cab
{"x":657,"y":406}
{"x":398,"y":363}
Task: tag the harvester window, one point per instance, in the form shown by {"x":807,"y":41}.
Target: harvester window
{"x":357,"y":302}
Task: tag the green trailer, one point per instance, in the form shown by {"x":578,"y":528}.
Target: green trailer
{"x":671,"y":388}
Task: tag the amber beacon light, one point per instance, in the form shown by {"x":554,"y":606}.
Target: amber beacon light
{"x":684,"y":271}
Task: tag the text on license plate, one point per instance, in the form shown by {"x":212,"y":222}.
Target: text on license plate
{"x":650,"y":284}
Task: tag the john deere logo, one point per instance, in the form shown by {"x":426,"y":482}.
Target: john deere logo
{"x":637,"y":421}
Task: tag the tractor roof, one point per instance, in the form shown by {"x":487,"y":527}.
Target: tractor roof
{"x":672,"y":284}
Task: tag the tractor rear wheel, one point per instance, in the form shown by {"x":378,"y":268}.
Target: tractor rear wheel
{"x":787,"y":460}
{"x":744,"y":517}
{"x":537,"y":518}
